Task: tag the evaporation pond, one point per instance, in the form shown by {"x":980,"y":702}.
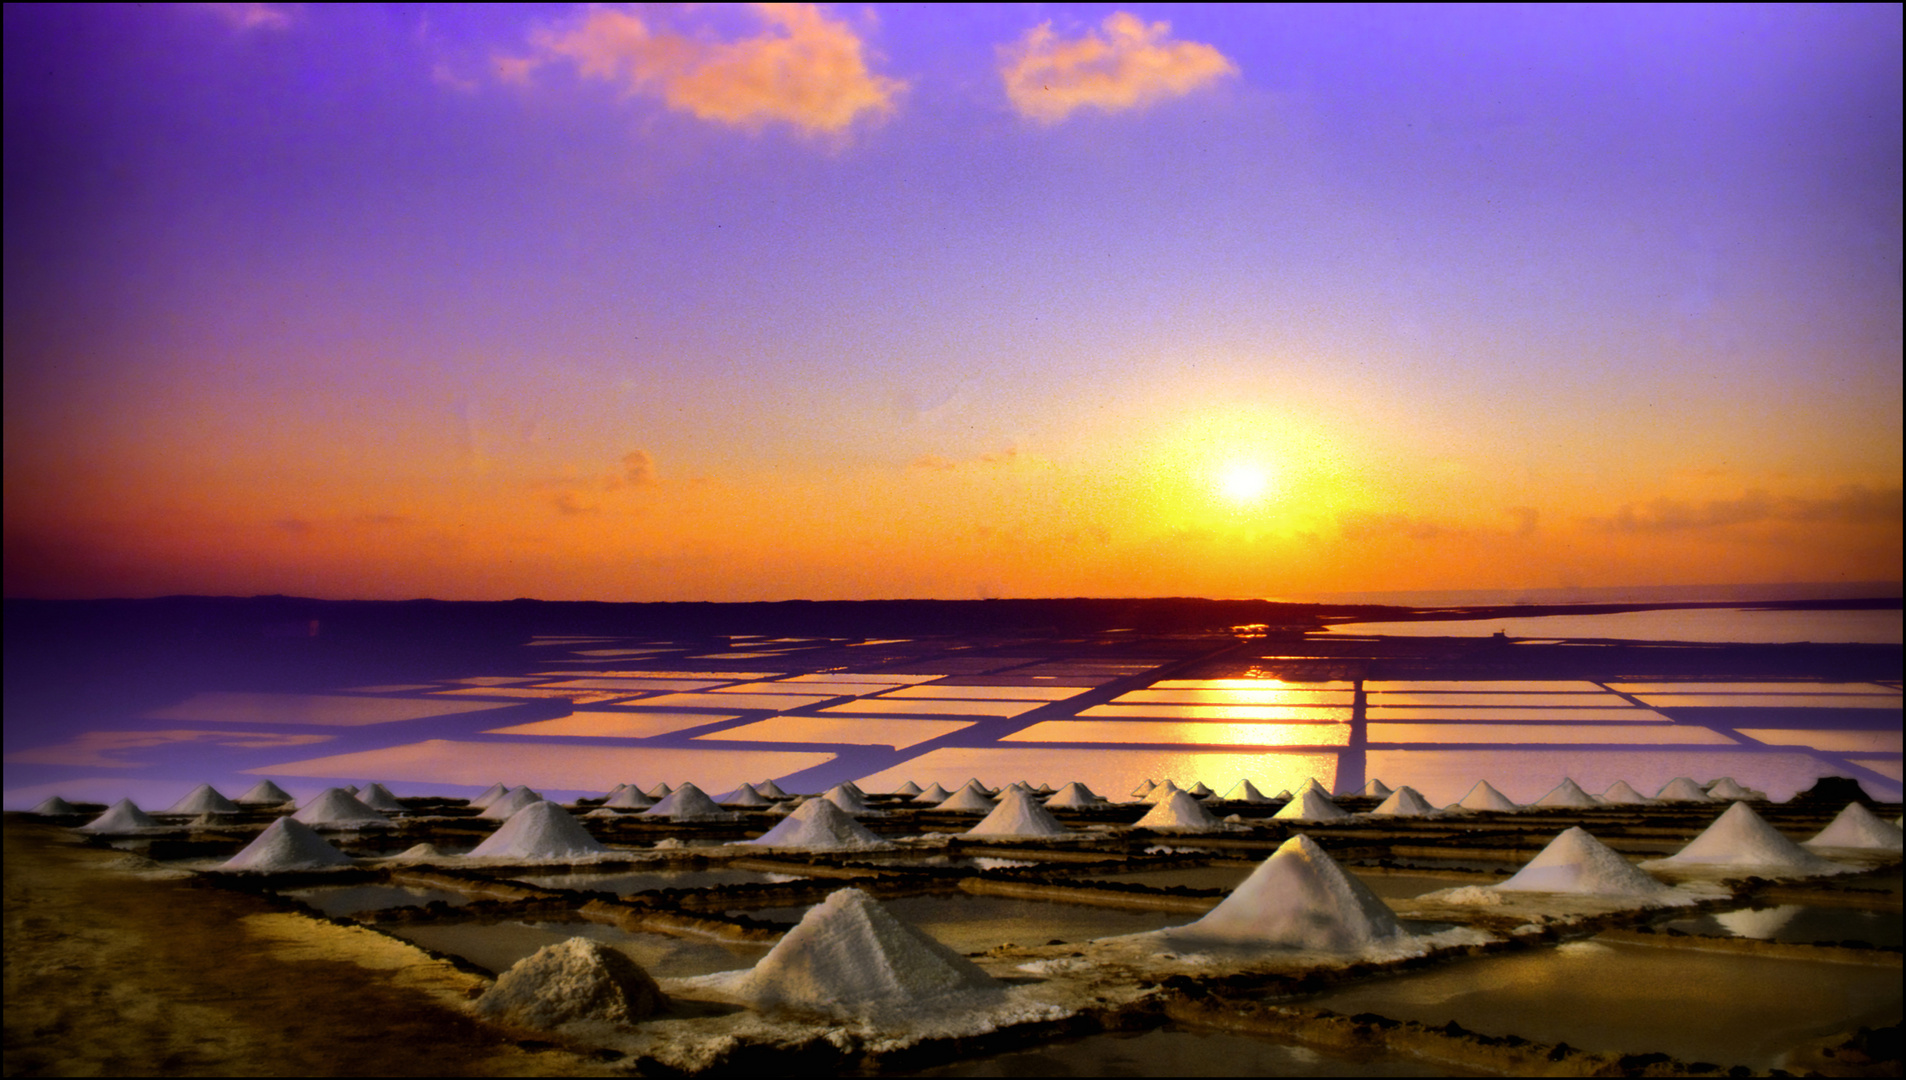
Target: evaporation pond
{"x":341,"y":900}
{"x":623,"y":884}
{"x":970,"y":924}
{"x":1630,"y":999}
{"x":495,"y":946}
{"x":1798,"y":923}
{"x":1173,"y":1051}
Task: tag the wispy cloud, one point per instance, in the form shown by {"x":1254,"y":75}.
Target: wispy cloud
{"x":254,"y":16}
{"x":802,"y":68}
{"x":1126,"y":64}
{"x":578,"y":493}
{"x":1851,"y":504}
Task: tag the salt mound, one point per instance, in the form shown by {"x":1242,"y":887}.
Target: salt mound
{"x":1283,"y":796}
{"x":339,"y":809}
{"x":1743,"y":838}
{"x":1180,"y":812}
{"x":908,"y":789}
{"x":1567,"y":793}
{"x":931,"y":796}
{"x":1198,"y":790}
{"x":1311,"y":784}
{"x":1681,"y":789}
{"x":1404,"y":802}
{"x":629,"y":798}
{"x":819,"y":825}
{"x":1245,"y":791}
{"x":687,"y":803}
{"x":264,"y":793}
{"x":579,"y":979}
{"x":1299,"y":898}
{"x":849,"y":799}
{"x":602,"y":812}
{"x":1143,"y":789}
{"x":122,"y":816}
{"x":745,"y":795}
{"x":418,"y":853}
{"x":378,"y":797}
{"x":54,"y":806}
{"x":203,"y":799}
{"x":968,"y":799}
{"x":1577,"y":863}
{"x":1620,"y":794}
{"x":1074,"y":796}
{"x":1375,"y":789}
{"x":661,"y":791}
{"x":1858,"y":827}
{"x":1729,"y":789}
{"x":505,"y":806}
{"x":849,"y":957}
{"x":1485,"y":797}
{"x":541,"y":830}
{"x":771,"y":789}
{"x":1019,"y":814}
{"x":287,"y":844}
{"x":1161,"y":792}
{"x":207,"y":820}
{"x":1311,"y":805}
{"x":490,"y":795}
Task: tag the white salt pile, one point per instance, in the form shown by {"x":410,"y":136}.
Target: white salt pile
{"x":264,"y":793}
{"x":973,"y":782}
{"x":378,"y":797}
{"x":540,"y":831}
{"x":1299,"y":899}
{"x":1577,"y":863}
{"x":1405,"y":801}
{"x":1019,"y":814}
{"x":337,"y":808}
{"x":505,"y":806}
{"x":203,"y":799}
{"x":629,"y":798}
{"x":771,"y":789}
{"x":687,"y":803}
{"x":1621,"y":794}
{"x":419,"y":853}
{"x":1311,"y":784}
{"x":745,"y":796}
{"x":1375,"y":789}
{"x":1246,"y":792}
{"x":1729,"y":789}
{"x":849,"y":957}
{"x":1074,"y":796}
{"x":819,"y":825}
{"x":932,"y":796}
{"x":1858,"y":827}
{"x":579,"y":979}
{"x":1681,"y":789}
{"x":1486,"y":798}
{"x":1161,"y":792}
{"x":908,"y":789}
{"x":1283,"y":796}
{"x":1198,"y":790}
{"x":1179,"y":813}
{"x":602,"y":812}
{"x":848,"y":798}
{"x":122,"y":816}
{"x":1143,"y":789}
{"x":1567,"y":794}
{"x":969,"y":799}
{"x":287,"y":845}
{"x":1742,"y":839}
{"x":54,"y":806}
{"x":1311,"y":805}
{"x":490,"y":795}
{"x":661,"y":791}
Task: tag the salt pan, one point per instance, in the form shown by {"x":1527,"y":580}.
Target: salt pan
{"x":540,"y":831}
{"x":287,"y":844}
{"x":1299,"y":898}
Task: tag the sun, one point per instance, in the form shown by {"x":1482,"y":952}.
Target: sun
{"x":1243,"y":482}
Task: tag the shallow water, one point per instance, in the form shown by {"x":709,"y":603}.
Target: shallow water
{"x":625,"y":884}
{"x":1173,"y":1051}
{"x":496,"y":946}
{"x":1800,"y":923}
{"x":1621,"y":998}
{"x":340,"y":900}
{"x":970,"y":924}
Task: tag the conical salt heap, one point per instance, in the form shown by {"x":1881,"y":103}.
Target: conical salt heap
{"x":1019,"y":814}
{"x":969,"y":799}
{"x":122,"y":816}
{"x":745,"y":796}
{"x":1566,"y":794}
{"x":1246,"y":792}
{"x":1074,"y":796}
{"x":1299,"y":898}
{"x":1729,"y":789}
{"x":850,"y":957}
{"x":1404,"y":802}
{"x":378,"y":797}
{"x":1682,"y":789}
{"x":1375,"y":789}
{"x":1161,"y":792}
{"x":629,"y":798}
{"x":579,"y":979}
{"x":661,"y":791}
{"x":907,"y":790}
{"x":1858,"y":827}
{"x":819,"y":825}
{"x":1577,"y":863}
{"x":287,"y":845}
{"x":541,"y":830}
{"x":203,"y":799}
{"x":1742,"y":838}
{"x":264,"y":793}
{"x":1199,"y":791}
{"x":687,"y":803}
{"x":1621,"y":794}
{"x":339,"y":809}
{"x":506,"y":805}
{"x":849,"y":799}
{"x":932,"y":796}
{"x":54,"y":806}
{"x":1144,"y":789}
{"x":489,"y":795}
{"x":1311,"y":805}
{"x":1179,"y":813}
{"x":771,"y":789}
{"x":1485,"y":797}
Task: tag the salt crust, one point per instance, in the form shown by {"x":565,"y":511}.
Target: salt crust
{"x":849,"y":798}
{"x":687,"y":803}
{"x":1741,"y":840}
{"x":1621,"y":794}
{"x":121,"y":817}
{"x":1858,"y":827}
{"x":203,"y":799}
{"x":504,"y":806}
{"x":1485,"y":797}
{"x":1019,"y":814}
{"x":1299,"y":899}
{"x":1311,"y":804}
{"x":287,"y":844}
{"x":1566,"y":794}
{"x":54,"y":806}
{"x":1682,"y":789}
{"x":578,"y":979}
{"x":1404,"y":802}
{"x":540,"y":832}
{"x":339,"y":809}
{"x":1179,"y":812}
{"x":969,"y":799}
{"x":1074,"y":796}
{"x":264,"y":793}
{"x":819,"y":825}
{"x":932,"y":796}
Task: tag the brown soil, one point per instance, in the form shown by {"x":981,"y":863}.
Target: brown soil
{"x":109,"y":972}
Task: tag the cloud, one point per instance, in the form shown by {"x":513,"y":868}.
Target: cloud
{"x":1127,"y":64}
{"x":253,"y":16}
{"x":802,"y":69}
{"x":1851,"y":504}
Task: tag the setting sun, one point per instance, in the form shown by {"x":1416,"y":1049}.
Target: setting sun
{"x":1244,"y":482}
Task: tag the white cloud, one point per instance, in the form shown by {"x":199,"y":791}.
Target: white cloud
{"x":1126,"y":64}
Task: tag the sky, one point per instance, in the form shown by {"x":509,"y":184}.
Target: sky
{"x":757,"y":303}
